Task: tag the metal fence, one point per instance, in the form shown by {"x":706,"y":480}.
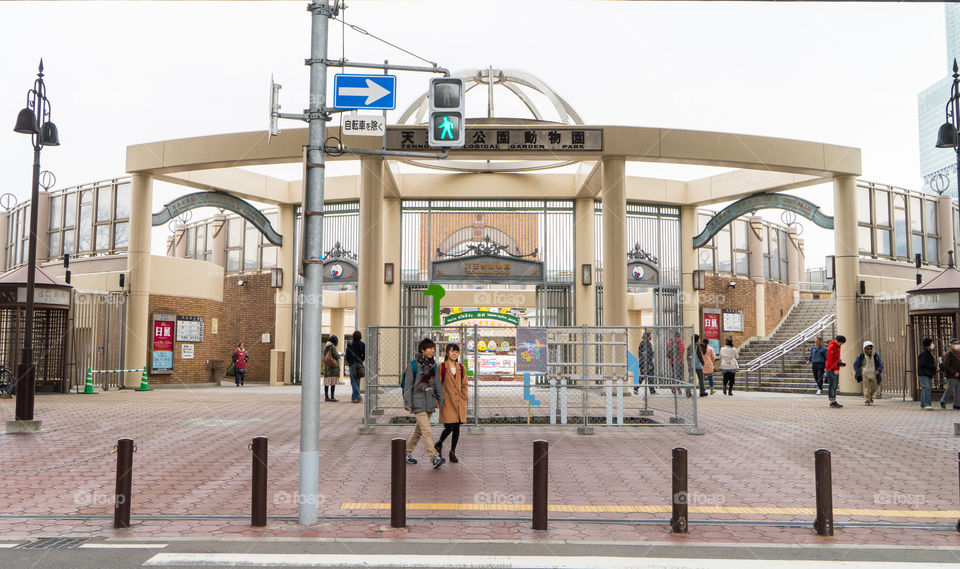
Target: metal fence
{"x":595,"y":376}
{"x":883,"y":321}
{"x":97,"y":342}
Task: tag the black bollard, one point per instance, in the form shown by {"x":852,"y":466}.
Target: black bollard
{"x":258,"y":500}
{"x":824,"y":482}
{"x":398,"y":483}
{"x":678,"y":521}
{"x":121,"y":506}
{"x":540,"y":469}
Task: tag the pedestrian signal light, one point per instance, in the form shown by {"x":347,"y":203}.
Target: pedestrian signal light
{"x":446,"y":125}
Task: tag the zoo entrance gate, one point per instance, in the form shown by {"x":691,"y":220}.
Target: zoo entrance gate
{"x":593,"y":377}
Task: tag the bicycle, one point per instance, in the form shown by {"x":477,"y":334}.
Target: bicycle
{"x":6,"y":382}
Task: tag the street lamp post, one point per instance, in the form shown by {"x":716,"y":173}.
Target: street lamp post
{"x":947,"y":136}
{"x":34,"y":119}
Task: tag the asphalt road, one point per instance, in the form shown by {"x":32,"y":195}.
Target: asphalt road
{"x":409,"y":554}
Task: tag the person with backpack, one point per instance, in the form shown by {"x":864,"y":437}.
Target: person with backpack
{"x":422,"y":395}
{"x":354,"y":357}
{"x":645,"y":357}
{"x":729,"y":365}
{"x":675,"y":351}
{"x":866,"y":369}
{"x":240,"y":359}
{"x":453,"y":413}
{"x":330,"y":368}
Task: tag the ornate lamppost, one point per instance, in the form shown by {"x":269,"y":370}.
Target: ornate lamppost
{"x":34,"y":119}
{"x":947,"y":136}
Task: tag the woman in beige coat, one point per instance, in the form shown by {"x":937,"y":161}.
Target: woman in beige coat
{"x":454,"y":409}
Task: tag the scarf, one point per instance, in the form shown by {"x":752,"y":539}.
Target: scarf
{"x":424,"y":362}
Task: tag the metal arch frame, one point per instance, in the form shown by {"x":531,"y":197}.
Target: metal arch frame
{"x":229,"y":202}
{"x":756,"y":202}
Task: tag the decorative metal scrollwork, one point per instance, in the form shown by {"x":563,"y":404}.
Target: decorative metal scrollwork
{"x":638,"y":254}
{"x":487,"y":247}
{"x":338,"y":252}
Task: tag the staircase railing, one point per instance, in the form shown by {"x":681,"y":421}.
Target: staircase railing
{"x":778,"y":353}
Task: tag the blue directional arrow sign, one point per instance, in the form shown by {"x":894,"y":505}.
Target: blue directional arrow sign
{"x":364,"y":91}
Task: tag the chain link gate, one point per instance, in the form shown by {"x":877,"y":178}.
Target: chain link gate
{"x":98,"y":337}
{"x":593,"y":377}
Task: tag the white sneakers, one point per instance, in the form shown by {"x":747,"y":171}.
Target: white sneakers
{"x":819,"y":392}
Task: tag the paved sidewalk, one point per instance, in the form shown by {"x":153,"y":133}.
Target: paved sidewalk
{"x":193,"y":460}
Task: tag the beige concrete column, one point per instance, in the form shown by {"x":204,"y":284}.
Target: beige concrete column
{"x":945,"y":228}
{"x":614,"y":200}
{"x":180,"y":241}
{"x":218,"y":241}
{"x":755,"y":246}
{"x":847,"y":275}
{"x":802,"y":260}
{"x":688,"y":264}
{"x":584,"y":253}
{"x":793,"y":257}
{"x":336,"y":329}
{"x":370,"y":285}
{"x":283,"y":296}
{"x":392,"y":248}
{"x":43,"y":224}
{"x":4,"y":227}
{"x":137,"y":333}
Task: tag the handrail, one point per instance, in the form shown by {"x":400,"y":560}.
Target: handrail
{"x":791,"y":344}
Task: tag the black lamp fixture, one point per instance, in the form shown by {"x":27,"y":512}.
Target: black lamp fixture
{"x":34,"y":119}
{"x":947,"y":135}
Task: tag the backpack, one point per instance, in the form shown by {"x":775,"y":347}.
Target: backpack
{"x":413,"y":365}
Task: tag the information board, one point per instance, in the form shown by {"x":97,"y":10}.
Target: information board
{"x":531,"y":350}
{"x":189,"y":328}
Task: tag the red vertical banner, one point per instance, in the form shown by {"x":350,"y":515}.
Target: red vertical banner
{"x":711,"y":326}
{"x":163,"y":336}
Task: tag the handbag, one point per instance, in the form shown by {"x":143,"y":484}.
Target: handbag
{"x":328,"y":360}
{"x":359,"y":369}
{"x":231,"y":371}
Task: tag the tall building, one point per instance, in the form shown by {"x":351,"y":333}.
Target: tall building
{"x":931,"y":104}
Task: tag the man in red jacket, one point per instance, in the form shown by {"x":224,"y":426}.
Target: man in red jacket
{"x":833,"y":369}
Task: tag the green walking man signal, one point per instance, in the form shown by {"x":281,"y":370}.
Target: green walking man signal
{"x":446,"y":96}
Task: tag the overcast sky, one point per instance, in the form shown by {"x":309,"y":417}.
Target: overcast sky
{"x":122,"y":73}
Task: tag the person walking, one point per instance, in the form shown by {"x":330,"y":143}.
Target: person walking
{"x":422,"y":395}
{"x":729,"y":365}
{"x":354,"y":357}
{"x":818,"y":361}
{"x":240,"y":359}
{"x":866,"y":369}
{"x":709,"y":363}
{"x":674,"y":352}
{"x":926,"y":371}
{"x":645,"y":357}
{"x":833,"y":365}
{"x":330,"y":368}
{"x":454,"y":411}
{"x":951,"y":370}
{"x":696,"y":354}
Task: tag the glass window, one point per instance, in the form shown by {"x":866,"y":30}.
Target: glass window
{"x":235,"y":232}
{"x":723,"y":252}
{"x":70,"y":201}
{"x":706,"y":259}
{"x":102,"y":238}
{"x":930,"y":208}
{"x":901,"y":243}
{"x":918,"y":246}
{"x":121,"y":235}
{"x":784,"y":271}
{"x":201,"y":240}
{"x":766,"y":266}
{"x":739,"y":229}
{"x":191,"y":237}
{"x":933,"y":252}
{"x":233,"y":261}
{"x":55,"y":212}
{"x":882,"y":208}
{"x":84,"y":228}
{"x":269,"y":257}
{"x":68,"y":241}
{"x":883,"y":242}
{"x":916,"y":215}
{"x":54,"y":244}
{"x":900,"y":226}
{"x":742,"y":262}
{"x":251,"y":248}
{"x":863,"y":205}
{"x":863,"y":239}
{"x":103,"y":204}
{"x":123,"y":202}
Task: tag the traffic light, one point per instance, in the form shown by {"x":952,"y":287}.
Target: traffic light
{"x":446,"y":122}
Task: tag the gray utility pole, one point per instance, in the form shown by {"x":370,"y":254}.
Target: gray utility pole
{"x":308,"y":499}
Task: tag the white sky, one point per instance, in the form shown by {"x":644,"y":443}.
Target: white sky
{"x":122,"y":73}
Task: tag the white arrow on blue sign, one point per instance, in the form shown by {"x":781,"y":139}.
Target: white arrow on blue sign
{"x":364,"y":91}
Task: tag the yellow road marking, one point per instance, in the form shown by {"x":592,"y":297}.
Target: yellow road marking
{"x":620,"y":509}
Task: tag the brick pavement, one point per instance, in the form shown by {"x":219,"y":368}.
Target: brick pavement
{"x":193,"y":459}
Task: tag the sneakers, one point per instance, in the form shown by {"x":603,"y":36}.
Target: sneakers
{"x":819,"y":392}
{"x":703,"y":394}
{"x":927,"y":408}
{"x":836,"y":405}
{"x":438,"y":460}
{"x":410,"y":459}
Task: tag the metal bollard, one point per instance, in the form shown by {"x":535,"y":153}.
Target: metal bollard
{"x":258,"y":498}
{"x":540,"y":468}
{"x":121,"y":507}
{"x":678,"y":521}
{"x":824,"y":482}
{"x":398,"y":483}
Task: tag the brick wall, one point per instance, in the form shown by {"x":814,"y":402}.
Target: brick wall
{"x":779,"y":299}
{"x":249,"y":312}
{"x":718,"y":294}
{"x":211,"y":348}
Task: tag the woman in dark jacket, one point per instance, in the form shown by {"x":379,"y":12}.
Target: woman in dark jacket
{"x":354,"y":357}
{"x":926,"y":370}
{"x":330,"y":371}
{"x":645,"y":355}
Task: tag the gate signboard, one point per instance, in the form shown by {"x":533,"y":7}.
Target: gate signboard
{"x":531,"y":350}
{"x":162,"y":361}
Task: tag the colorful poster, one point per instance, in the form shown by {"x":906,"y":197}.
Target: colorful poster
{"x":531,"y":350}
{"x":711,"y":326}
{"x":163,"y":330}
{"x":163,"y":336}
